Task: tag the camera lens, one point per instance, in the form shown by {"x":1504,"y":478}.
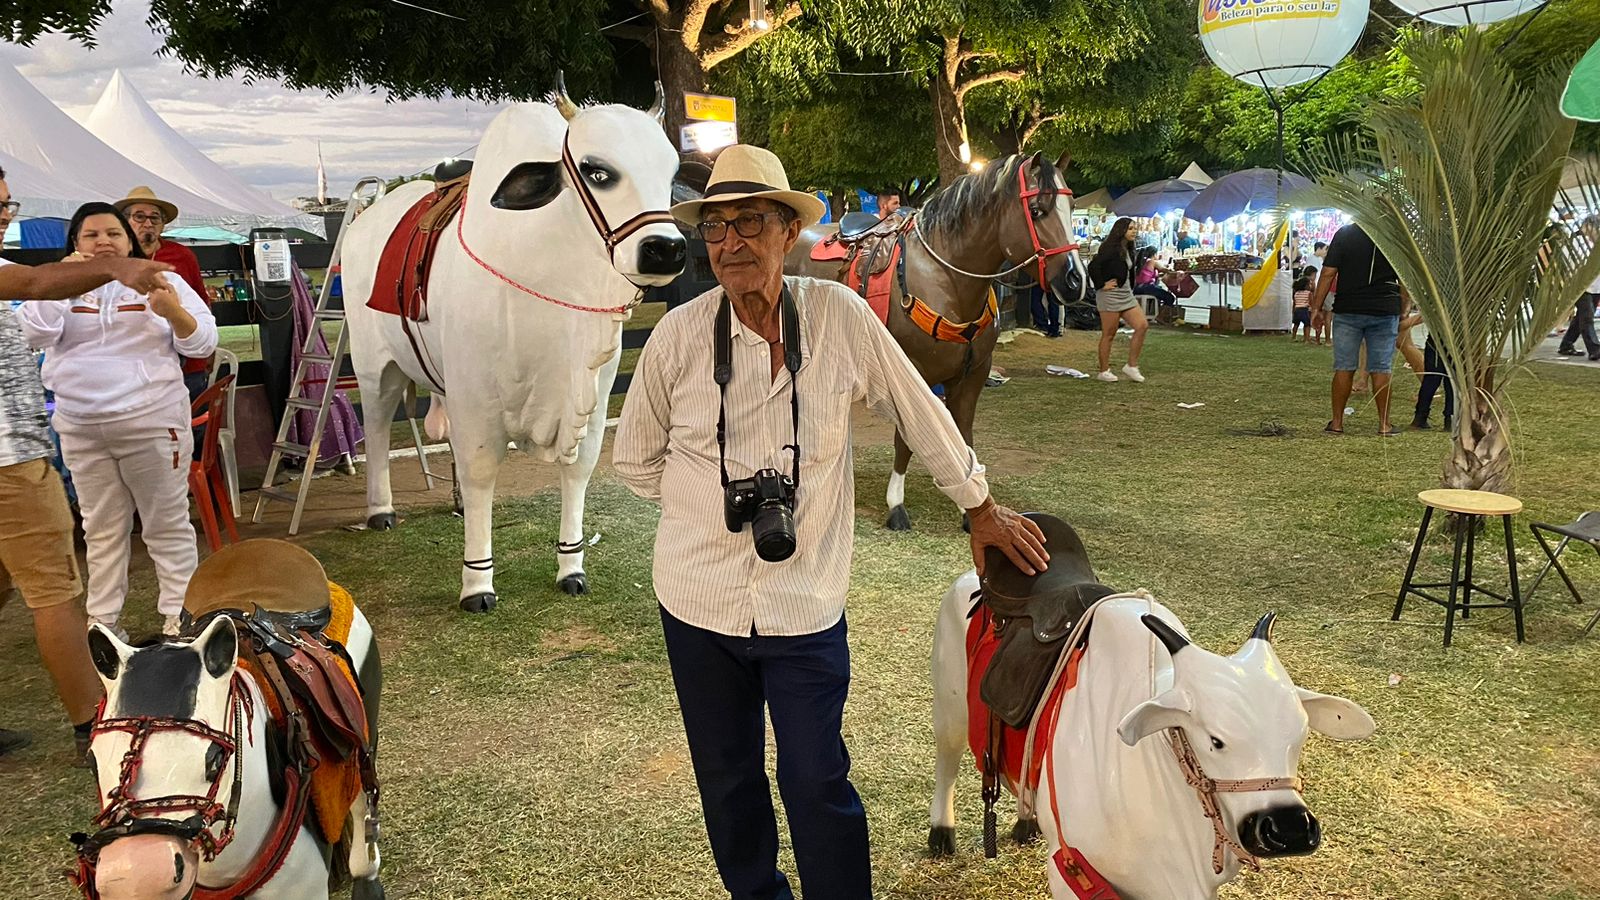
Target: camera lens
{"x":772,"y":526}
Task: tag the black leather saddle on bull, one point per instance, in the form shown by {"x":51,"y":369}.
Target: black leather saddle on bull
{"x":1033,"y":615}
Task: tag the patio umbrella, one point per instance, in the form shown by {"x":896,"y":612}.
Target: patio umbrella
{"x":1248,"y":190}
{"x":1157,"y":197}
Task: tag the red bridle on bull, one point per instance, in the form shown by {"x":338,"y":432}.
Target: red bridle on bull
{"x":1031,"y":213}
{"x":124,"y":815}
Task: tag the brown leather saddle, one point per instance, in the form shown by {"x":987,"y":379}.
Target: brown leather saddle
{"x":278,"y":596}
{"x":1033,"y":616}
{"x":869,"y":251}
{"x":401,"y":285}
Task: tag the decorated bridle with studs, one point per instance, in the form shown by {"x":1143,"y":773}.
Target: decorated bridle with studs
{"x":124,"y":815}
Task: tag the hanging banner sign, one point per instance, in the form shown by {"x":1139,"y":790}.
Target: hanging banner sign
{"x":710,"y":108}
{"x":707,"y":137}
{"x":1217,"y":14}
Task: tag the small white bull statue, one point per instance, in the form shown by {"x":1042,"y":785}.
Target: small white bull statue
{"x":1167,"y":766}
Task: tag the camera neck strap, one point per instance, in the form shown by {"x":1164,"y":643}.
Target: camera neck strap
{"x":722,"y":371}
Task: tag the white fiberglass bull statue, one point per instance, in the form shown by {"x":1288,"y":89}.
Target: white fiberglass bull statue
{"x":1151,"y":715}
{"x":529,"y":288}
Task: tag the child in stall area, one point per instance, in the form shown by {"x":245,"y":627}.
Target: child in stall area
{"x":1302,"y":310}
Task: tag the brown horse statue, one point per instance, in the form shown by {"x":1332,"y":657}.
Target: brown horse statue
{"x":938,"y":267}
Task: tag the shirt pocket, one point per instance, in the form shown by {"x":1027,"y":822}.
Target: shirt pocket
{"x":824,"y":421}
{"x":102,"y":384}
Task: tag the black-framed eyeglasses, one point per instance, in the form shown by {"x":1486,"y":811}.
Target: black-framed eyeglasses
{"x":11,"y":207}
{"x":152,"y":218}
{"x":747,"y":224}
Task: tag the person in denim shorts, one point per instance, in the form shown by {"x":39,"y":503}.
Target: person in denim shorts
{"x":1369,"y":314}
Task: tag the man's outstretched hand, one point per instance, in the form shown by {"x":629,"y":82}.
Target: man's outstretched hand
{"x":1019,"y":538}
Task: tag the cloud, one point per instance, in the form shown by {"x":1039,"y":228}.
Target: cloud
{"x":263,"y":132}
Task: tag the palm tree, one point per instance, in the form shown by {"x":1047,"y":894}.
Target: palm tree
{"x":1455,"y":183}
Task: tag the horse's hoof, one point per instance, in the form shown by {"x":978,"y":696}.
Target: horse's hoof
{"x":1026,"y":831}
{"x":941,"y":841}
{"x":899,"y":519}
{"x":479,"y":603}
{"x":366,"y":889}
{"x":966,"y":523}
{"x":575,"y":584}
{"x":381,"y":521}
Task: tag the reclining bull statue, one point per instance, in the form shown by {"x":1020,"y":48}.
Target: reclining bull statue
{"x":517,"y":321}
{"x":1161,"y":768}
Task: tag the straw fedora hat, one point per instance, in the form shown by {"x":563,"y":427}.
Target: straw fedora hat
{"x":742,"y":172}
{"x":143,"y":194}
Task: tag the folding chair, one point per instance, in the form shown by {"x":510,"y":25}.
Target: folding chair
{"x":1585,"y":529}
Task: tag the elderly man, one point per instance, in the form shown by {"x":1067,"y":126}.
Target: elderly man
{"x":149,"y":216}
{"x":36,"y":551}
{"x":738,"y":424}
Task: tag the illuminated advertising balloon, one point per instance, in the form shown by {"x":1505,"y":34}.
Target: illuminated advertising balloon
{"x":1276,"y":43}
{"x":1467,"y":12}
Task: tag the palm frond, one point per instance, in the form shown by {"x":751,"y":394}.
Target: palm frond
{"x":1455,"y":184}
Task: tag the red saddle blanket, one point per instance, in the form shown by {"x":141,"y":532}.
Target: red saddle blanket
{"x":874,"y":260}
{"x":981,"y":646}
{"x":401,"y":285}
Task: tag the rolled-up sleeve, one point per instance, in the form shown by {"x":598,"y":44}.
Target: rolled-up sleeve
{"x":639,"y":454}
{"x":202,"y":342}
{"x":42,"y":322}
{"x":894,"y":389}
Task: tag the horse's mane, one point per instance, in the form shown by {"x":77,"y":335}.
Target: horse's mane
{"x":979,"y":195}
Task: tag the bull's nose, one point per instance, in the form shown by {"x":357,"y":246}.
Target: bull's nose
{"x":662,"y":255}
{"x":1281,"y":831}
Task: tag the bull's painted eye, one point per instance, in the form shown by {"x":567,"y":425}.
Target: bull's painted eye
{"x":1216,"y":743}
{"x":597,"y":175}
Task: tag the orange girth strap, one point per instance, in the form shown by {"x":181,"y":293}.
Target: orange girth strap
{"x":939,"y":328}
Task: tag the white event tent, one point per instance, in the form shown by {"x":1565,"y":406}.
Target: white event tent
{"x":54,"y":165}
{"x":128,"y":125}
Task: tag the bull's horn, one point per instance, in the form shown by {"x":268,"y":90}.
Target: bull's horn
{"x":1169,"y":636}
{"x":1263,"y":629}
{"x":658,"y":109}
{"x":564,"y":103}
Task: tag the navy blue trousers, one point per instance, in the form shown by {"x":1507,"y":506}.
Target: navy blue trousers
{"x":724,"y":684}
{"x":1434,"y":376}
{"x":1046,"y":312}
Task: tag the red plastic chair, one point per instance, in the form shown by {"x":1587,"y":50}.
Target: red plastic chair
{"x":207,"y":482}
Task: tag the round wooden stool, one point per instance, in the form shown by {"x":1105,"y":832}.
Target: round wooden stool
{"x":1471,"y":506}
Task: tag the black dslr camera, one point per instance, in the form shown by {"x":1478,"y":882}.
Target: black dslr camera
{"x":766,"y":501}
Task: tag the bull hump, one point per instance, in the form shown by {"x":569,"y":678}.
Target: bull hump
{"x":160,"y":681}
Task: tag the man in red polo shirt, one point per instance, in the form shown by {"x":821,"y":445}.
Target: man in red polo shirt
{"x":149,"y":215}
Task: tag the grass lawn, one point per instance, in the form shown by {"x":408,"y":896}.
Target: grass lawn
{"x":537,"y":752}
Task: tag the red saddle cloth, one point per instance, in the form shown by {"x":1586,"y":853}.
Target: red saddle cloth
{"x":873,"y":259}
{"x":401,"y":285}
{"x":981,"y":645}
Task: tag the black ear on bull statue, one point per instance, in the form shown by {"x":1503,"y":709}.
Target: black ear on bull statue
{"x":528,"y":185}
{"x":107,"y":652}
{"x":218,"y":646}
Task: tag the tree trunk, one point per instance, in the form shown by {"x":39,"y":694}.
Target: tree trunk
{"x":1480,"y":451}
{"x":950,"y":127}
{"x":836,"y":204}
{"x":680,"y":73}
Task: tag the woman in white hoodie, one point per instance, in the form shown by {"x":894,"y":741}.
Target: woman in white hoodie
{"x":112,"y":359}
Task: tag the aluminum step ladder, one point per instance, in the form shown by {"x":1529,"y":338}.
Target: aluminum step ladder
{"x":366,"y":192}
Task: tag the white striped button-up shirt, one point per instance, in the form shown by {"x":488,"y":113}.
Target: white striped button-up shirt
{"x":666,"y":450}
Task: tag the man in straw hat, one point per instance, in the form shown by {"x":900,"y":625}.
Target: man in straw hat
{"x":149,"y":216}
{"x":750,"y":457}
